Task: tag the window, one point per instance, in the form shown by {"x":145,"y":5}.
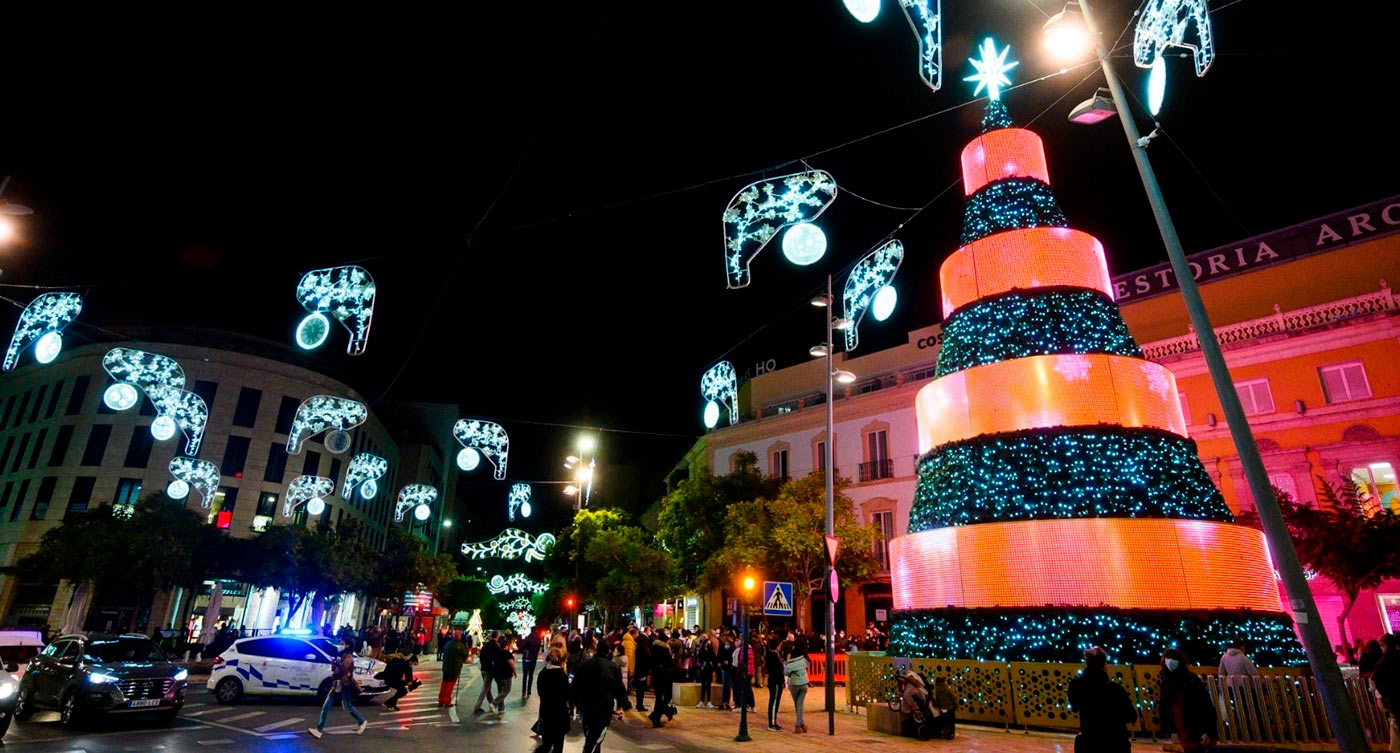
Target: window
{"x":258,"y":647}
{"x":291,"y":649}
{"x":1255,"y":396}
{"x":138,"y":453}
{"x":1344,"y":381}
{"x":286,"y":413}
{"x":235,"y":455}
{"x":97,"y":444}
{"x":780,"y":465}
{"x":206,"y":390}
{"x":221,"y":511}
{"x":276,"y":463}
{"x":312,"y":465}
{"x":1185,"y":409}
{"x":81,"y":495}
{"x":246,"y":412}
{"x":38,"y":403}
{"x":9,"y":406}
{"x":53,"y":399}
{"x":23,"y":445}
{"x":19,"y":500}
{"x":1378,"y":487}
{"x":5,"y":495}
{"x":267,"y":508}
{"x":38,"y":443}
{"x":78,"y":395}
{"x":128,"y":491}
{"x":1284,"y":483}
{"x":23,"y":406}
{"x":60,"y":445}
{"x":335,"y":472}
{"x":43,"y":498}
{"x":820,"y":465}
{"x":5,"y":454}
{"x":877,"y":456}
{"x":883,"y":522}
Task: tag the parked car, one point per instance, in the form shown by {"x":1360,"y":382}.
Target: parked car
{"x":9,"y":687}
{"x":85,"y":675}
{"x":18,"y":646}
{"x":286,"y":666}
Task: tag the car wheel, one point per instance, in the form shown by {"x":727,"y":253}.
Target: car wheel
{"x":229,"y":690}
{"x":68,"y":713}
{"x":24,"y":705}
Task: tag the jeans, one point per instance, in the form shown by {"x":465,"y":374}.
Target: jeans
{"x":485,"y":694}
{"x":346,"y":700}
{"x":662,"y":692}
{"x":502,"y":690}
{"x":595,"y":727}
{"x":528,"y":680}
{"x":724,"y":686}
{"x":775,"y":699}
{"x":799,"y":697}
{"x":551,"y":742}
{"x":640,"y":683}
{"x":707,"y":675}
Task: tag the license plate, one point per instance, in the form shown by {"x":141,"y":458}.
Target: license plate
{"x":144,"y":703}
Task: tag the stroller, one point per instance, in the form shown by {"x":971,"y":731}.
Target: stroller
{"x":911,"y":699}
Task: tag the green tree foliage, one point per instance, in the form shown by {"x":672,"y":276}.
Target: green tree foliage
{"x":635,"y":570}
{"x":1345,"y":540}
{"x":782,"y":536}
{"x":407,"y":565}
{"x":468,"y":594}
{"x":568,"y":558}
{"x":691,"y":521}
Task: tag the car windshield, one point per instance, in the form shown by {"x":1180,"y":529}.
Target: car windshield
{"x":123,"y":650}
{"x":329,"y":648}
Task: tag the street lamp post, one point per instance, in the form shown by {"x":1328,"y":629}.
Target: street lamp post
{"x":1340,"y":711}
{"x":743,"y":699}
{"x":583,"y":475}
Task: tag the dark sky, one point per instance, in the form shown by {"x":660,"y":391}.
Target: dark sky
{"x":195,"y":165}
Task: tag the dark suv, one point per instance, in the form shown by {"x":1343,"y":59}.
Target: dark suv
{"x":82,"y":674}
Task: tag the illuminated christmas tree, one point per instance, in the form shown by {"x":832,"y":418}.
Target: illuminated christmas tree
{"x":1060,"y":503}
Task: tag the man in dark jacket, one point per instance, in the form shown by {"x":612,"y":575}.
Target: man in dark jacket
{"x":661,"y":679}
{"x":529,"y":654}
{"x":487,"y":662}
{"x":597,"y":687}
{"x":1104,"y":708}
{"x":399,"y":676}
{"x":642,"y":671}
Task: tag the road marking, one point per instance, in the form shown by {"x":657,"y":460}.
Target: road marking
{"x":195,"y":705}
{"x":215,"y":710}
{"x":248,"y":715}
{"x":285,"y":736}
{"x":656,"y":746}
{"x":278,"y":725}
{"x":221,"y":741}
{"x":145,"y":747}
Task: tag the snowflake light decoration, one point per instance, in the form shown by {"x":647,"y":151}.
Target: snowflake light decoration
{"x":163,"y":381}
{"x":720,"y":386}
{"x":510,"y":544}
{"x":517,"y":583}
{"x":200,"y":475}
{"x":991,"y":69}
{"x":522,"y":620}
{"x":870,"y":277}
{"x":346,"y":293}
{"x":305,"y":490}
{"x":764,"y":207}
{"x":519,"y":602}
{"x":365,"y":471}
{"x":419,"y":498}
{"x":926,"y":19}
{"x":320,"y":412}
{"x":479,"y":438}
{"x":1163,"y":24}
{"x":40,"y":324}
{"x":519,"y":499}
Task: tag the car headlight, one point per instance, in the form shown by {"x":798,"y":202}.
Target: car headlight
{"x":7,"y":689}
{"x":101,"y":678}
{"x":181,"y":675}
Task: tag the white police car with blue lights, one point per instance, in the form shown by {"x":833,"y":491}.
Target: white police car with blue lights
{"x":285,"y":665}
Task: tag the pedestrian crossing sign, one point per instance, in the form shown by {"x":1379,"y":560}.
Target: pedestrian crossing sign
{"x":777,"y":599}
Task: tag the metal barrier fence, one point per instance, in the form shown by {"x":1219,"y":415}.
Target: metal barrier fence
{"x":1280,"y":706}
{"x":816,"y":669}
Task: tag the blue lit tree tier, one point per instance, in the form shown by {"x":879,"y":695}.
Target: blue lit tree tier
{"x":1009,"y":204}
{"x":1060,"y":634}
{"x":1041,"y":321}
{"x":1039,"y":474}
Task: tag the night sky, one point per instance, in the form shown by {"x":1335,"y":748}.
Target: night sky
{"x":517,"y":178}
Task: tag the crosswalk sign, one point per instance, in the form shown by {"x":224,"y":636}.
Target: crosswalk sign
{"x":777,"y":599}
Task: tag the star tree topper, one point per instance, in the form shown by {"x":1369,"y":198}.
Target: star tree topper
{"x":991,"y":69}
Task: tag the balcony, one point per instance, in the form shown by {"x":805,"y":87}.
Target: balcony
{"x":876,"y":470}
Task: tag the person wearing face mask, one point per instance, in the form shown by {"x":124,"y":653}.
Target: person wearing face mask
{"x":1185,"y":704}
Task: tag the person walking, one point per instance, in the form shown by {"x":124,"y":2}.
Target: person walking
{"x":795,"y":668}
{"x":399,"y":676}
{"x":504,"y":673}
{"x":452,"y":660}
{"x":553,"y":723}
{"x":1185,"y":705}
{"x":486,"y":667}
{"x":661,"y":679}
{"x":773,"y":671}
{"x":640,"y":666}
{"x":1104,"y":707}
{"x":724,"y":663}
{"x":343,"y":690}
{"x":1235,"y":662}
{"x":598,"y":692}
{"x":705,"y":658}
{"x":529,"y":654}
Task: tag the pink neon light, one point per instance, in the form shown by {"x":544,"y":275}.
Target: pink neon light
{"x":1020,"y":259}
{"x":1003,"y":153}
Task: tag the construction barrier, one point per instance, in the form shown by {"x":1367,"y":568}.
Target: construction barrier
{"x":816,"y":669}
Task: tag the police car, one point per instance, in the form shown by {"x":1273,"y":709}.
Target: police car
{"x":286,"y":665}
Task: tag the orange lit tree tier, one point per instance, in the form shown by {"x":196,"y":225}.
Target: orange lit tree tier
{"x":1059,"y":502}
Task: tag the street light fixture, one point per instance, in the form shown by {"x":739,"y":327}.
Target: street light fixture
{"x":1342,"y":715}
{"x":843,"y":377}
{"x":817,"y":351}
{"x":748,"y":584}
{"x":1066,"y":36}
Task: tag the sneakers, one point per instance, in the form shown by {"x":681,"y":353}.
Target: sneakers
{"x":700,"y":705}
{"x":360,"y":730}
{"x":709,"y":705}
{"x":316,"y":733}
{"x":774,"y":728}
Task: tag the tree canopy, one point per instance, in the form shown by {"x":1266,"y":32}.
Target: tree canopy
{"x":691,"y":521}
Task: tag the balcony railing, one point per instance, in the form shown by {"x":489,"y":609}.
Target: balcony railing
{"x":876,"y":470}
{"x":1281,"y":321}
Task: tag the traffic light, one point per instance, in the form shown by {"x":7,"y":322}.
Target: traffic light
{"x":569,"y":602}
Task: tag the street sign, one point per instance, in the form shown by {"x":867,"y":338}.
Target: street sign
{"x":832,"y":544}
{"x":835,"y":588}
{"x":777,"y":599}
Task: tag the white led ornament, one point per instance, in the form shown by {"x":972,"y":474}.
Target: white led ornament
{"x":163,"y":381}
{"x":864,"y":11}
{"x":415,"y":496}
{"x":321,"y":412}
{"x":720,"y":386}
{"x":804,"y":244}
{"x":303,"y":490}
{"x":177,"y":489}
{"x":518,"y":499}
{"x":480,"y":437}
{"x":344,"y":293}
{"x":510,"y":544}
{"x":991,"y":67}
{"x":201,"y":475}
{"x":870,"y":278}
{"x":926,"y":19}
{"x":316,"y":506}
{"x":40,"y":324}
{"x":365,"y":469}
{"x":764,"y":207}
{"x":1167,"y":23}
{"x":516,"y":583}
{"x":163,"y":428}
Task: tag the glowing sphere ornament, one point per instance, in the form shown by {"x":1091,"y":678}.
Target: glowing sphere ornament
{"x":303,"y":491}
{"x":200,"y":475}
{"x":720,"y":385}
{"x":365,"y":470}
{"x":368,"y":489}
{"x":804,"y":244}
{"x":319,"y":413}
{"x":525,"y":509}
{"x":487,"y":438}
{"x":1156,"y":90}
{"x":177,"y":489}
{"x":40,"y":324}
{"x":48,"y":347}
{"x":415,"y":496}
{"x":422,"y":512}
{"x":761,"y":209}
{"x":313,"y":331}
{"x":518,"y":499}
{"x":884,"y":303}
{"x":316,"y":506}
{"x":163,"y":428}
{"x":711,"y":414}
{"x":337,"y":442}
{"x":120,"y":396}
{"x":468,"y":459}
{"x":864,"y":11}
